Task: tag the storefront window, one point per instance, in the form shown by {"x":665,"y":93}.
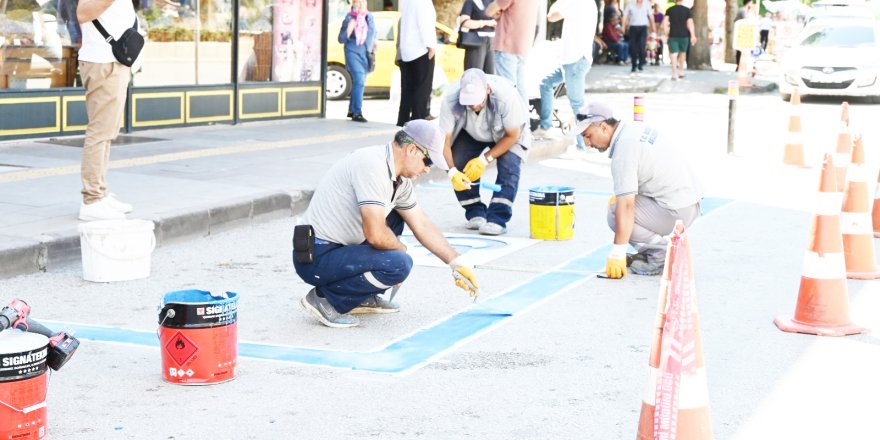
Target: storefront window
{"x":280,"y":40}
{"x":188,"y":42}
{"x":38,"y":43}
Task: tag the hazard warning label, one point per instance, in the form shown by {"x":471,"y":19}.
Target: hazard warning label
{"x":181,"y":348}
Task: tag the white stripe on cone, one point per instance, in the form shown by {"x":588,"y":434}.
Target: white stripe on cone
{"x":857,"y":173}
{"x":856,"y":223}
{"x":694,"y":391}
{"x":795,"y":138}
{"x":828,"y":203}
{"x":840,"y":160}
{"x":829,"y":266}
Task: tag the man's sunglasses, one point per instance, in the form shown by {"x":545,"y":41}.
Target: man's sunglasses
{"x":581,"y":117}
{"x":427,"y":159}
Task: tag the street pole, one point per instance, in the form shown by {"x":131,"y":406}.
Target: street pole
{"x":732,"y":94}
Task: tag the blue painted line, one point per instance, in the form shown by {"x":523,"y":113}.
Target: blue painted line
{"x":411,"y":351}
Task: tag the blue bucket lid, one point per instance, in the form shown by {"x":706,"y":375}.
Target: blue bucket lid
{"x":198,"y":297}
{"x":551,"y":189}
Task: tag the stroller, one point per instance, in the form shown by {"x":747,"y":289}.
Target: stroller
{"x":555,"y":118}
{"x":542,"y":62}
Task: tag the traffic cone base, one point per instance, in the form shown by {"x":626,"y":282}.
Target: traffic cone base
{"x":788,"y":324}
{"x":860,"y":269}
{"x":694,"y":421}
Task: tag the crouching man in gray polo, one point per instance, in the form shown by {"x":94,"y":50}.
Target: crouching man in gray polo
{"x":653,"y":187}
{"x":357,"y":214}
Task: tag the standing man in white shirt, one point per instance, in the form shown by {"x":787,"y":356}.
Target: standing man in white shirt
{"x":417,"y":41}
{"x":638,"y":21}
{"x":580,"y":21}
{"x":106,"y":81}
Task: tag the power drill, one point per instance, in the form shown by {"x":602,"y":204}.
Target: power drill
{"x":62,"y":345}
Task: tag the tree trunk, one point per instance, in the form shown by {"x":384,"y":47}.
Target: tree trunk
{"x":700,"y":55}
{"x":729,"y":19}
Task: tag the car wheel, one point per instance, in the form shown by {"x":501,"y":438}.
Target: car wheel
{"x":338,"y":82}
{"x":785,"y":96}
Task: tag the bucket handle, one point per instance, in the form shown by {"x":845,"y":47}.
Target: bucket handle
{"x":85,"y":235}
{"x":32,"y":408}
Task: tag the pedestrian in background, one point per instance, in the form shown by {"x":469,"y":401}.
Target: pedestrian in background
{"x":765,"y":27}
{"x":658,"y":22}
{"x":637,"y":22}
{"x":743,"y":13}
{"x":106,"y":82}
{"x":473,"y":18}
{"x":680,"y":34}
{"x":653,"y":187}
{"x":358,"y":37}
{"x":611,"y":11}
{"x":580,"y":19}
{"x":417,"y":42}
{"x":484,"y":120}
{"x":514,"y":36}
{"x":612,"y":35}
{"x":357,"y":214}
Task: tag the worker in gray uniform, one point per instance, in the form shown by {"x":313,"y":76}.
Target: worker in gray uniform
{"x":653,"y":187}
{"x":351,"y":252}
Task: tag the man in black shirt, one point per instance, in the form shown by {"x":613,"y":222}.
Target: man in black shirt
{"x":679,"y":25}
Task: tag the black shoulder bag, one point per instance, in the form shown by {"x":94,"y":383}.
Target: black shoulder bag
{"x":127,"y":48}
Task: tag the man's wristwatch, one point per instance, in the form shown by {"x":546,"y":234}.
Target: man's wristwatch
{"x":488,"y":158}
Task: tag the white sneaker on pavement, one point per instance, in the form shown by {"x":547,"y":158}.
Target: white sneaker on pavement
{"x":118,"y":205}
{"x":100,"y":210}
{"x":547,"y":133}
{"x":475,"y":223}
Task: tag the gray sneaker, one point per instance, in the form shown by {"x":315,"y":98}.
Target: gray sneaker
{"x":640,"y":267}
{"x":635,"y":257}
{"x":492,"y":229}
{"x":475,"y":223}
{"x":320,"y":308}
{"x":375,"y":304}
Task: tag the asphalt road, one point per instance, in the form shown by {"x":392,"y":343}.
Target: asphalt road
{"x":566,"y":359}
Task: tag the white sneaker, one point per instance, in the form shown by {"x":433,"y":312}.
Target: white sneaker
{"x":118,"y":205}
{"x":100,"y":210}
{"x":547,"y":133}
{"x":475,"y":223}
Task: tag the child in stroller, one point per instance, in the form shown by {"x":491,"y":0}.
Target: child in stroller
{"x":651,"y":47}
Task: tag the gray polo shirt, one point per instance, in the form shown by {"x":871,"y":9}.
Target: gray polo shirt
{"x":504,"y":110}
{"x":364,"y":177}
{"x":643,"y":162}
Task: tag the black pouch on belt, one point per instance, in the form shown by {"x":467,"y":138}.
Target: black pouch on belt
{"x":303,"y":244}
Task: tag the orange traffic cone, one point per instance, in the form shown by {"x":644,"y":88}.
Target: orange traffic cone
{"x":676,"y":401}
{"x":877,"y":209}
{"x":794,"y":147}
{"x":855,"y":220}
{"x":823,"y":304}
{"x":843,"y":153}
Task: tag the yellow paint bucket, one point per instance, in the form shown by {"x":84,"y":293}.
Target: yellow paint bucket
{"x":551,"y":212}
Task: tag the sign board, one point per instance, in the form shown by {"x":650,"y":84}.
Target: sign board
{"x":745,"y":34}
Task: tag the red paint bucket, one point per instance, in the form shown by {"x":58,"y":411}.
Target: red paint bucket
{"x":23,"y":385}
{"x":198,"y":337}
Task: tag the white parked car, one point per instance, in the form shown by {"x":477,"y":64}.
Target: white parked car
{"x":836,"y":57}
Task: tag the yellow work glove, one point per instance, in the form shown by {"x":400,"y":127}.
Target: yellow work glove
{"x":460,"y":182}
{"x":475,"y":167}
{"x":465,"y":278}
{"x":615,"y":267}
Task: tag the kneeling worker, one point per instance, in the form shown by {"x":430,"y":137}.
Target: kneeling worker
{"x":357,"y":215}
{"x":485,"y":112}
{"x":653,"y":187}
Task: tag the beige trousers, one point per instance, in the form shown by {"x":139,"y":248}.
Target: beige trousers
{"x":106,"y":86}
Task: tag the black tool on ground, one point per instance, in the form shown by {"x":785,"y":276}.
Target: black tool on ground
{"x":304,"y":244}
{"x":62,"y":345}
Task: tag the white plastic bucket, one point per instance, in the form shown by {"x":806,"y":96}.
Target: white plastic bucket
{"x":116,"y":250}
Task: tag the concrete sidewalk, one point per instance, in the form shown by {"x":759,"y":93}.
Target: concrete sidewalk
{"x":194,"y":182}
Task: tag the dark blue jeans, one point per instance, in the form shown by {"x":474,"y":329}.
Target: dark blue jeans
{"x":500,"y":208}
{"x":347,"y":275}
{"x":638,"y":36}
